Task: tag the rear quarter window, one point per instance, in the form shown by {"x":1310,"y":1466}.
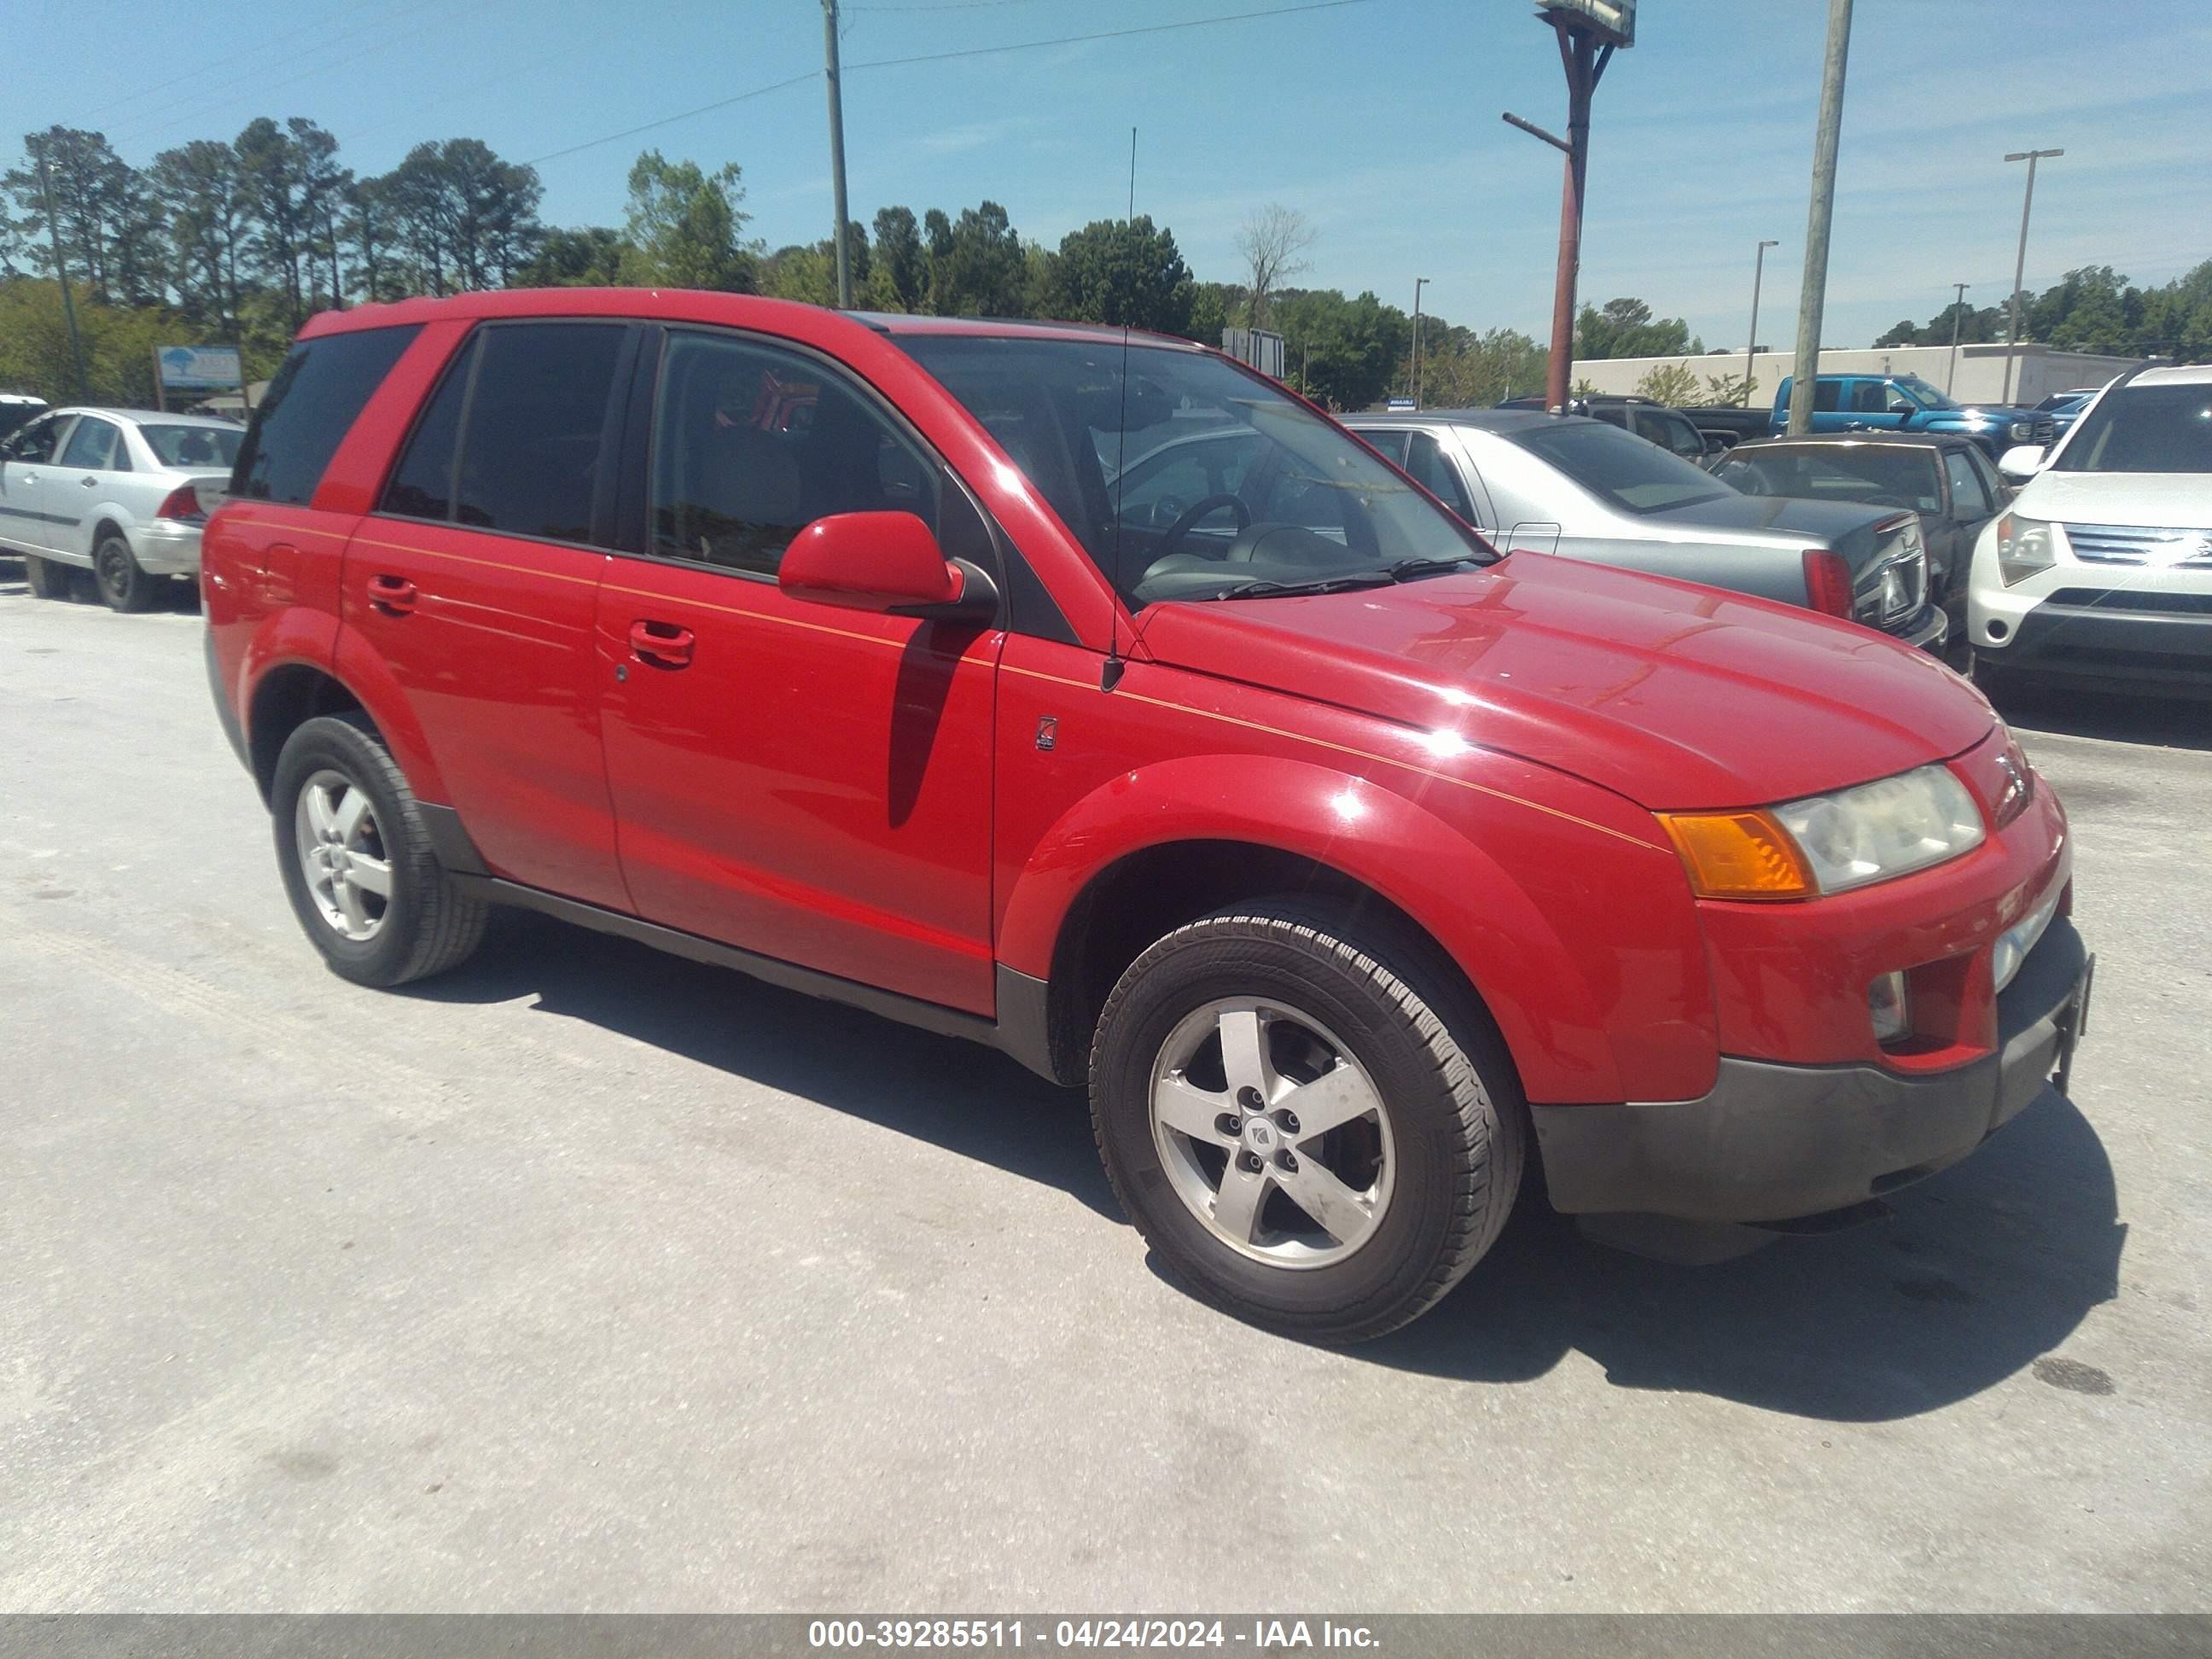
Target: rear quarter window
{"x":309,"y":407}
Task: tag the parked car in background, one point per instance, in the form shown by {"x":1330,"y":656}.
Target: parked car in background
{"x":118,"y":492}
{"x":2100,"y":569}
{"x":1560,"y":484}
{"x":1647,"y":417}
{"x":1943,"y":476}
{"x":1342,"y":860}
{"x":1906,"y":403}
{"x":15,"y":408}
{"x":1728,"y":424}
{"x":2067,"y":409}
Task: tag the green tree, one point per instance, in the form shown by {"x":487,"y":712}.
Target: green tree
{"x":1675,"y":384}
{"x":1626,"y":328}
{"x":202,"y":196}
{"x":587,"y":257}
{"x":1723,"y":390}
{"x":1123,"y":272}
{"x":977,"y":266}
{"x":1347,"y":351}
{"x":900,"y":255}
{"x":686,"y":227}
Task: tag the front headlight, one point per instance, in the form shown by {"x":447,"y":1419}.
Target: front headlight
{"x":2022,"y":431}
{"x":1881,"y":830}
{"x":2025,"y":546}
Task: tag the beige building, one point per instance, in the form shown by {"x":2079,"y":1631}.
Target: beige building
{"x":1979,"y":377}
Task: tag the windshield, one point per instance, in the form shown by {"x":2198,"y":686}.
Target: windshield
{"x":2143,"y":428}
{"x":212,"y":446}
{"x":1881,"y":475}
{"x":1186,"y":478}
{"x":1922,"y":394}
{"x":1631,"y":473}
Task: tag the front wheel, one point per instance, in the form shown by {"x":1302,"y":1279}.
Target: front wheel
{"x":357,"y":858}
{"x":123,"y":584}
{"x":1310,"y":1120}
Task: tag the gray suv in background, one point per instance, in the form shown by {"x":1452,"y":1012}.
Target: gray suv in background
{"x":1560,"y":484}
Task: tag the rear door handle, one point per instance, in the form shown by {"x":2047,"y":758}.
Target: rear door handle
{"x":663,"y":645}
{"x":393,"y":595}
{"x":88,"y":481}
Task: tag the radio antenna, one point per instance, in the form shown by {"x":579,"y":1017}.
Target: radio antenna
{"x":1109,"y":675}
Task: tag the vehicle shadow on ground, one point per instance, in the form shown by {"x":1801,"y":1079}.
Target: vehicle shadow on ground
{"x":171,"y":595}
{"x":957,"y":1095}
{"x":2115,"y":717}
{"x":1983,"y":1270}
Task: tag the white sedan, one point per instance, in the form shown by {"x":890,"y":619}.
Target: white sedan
{"x":114,"y":491}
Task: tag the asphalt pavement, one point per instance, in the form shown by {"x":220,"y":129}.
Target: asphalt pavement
{"x":591,"y":1279}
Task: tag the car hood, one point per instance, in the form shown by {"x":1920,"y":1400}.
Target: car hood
{"x":2176,"y":501}
{"x":1675,"y":696}
{"x":1822,"y":521}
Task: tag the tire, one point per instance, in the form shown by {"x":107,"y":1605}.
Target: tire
{"x":122,"y":586}
{"x":1441,"y":1153}
{"x":423,"y":924}
{"x":47,"y":579}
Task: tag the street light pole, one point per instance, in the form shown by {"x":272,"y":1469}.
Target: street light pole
{"x":1958,"y":306}
{"x":2019,"y":265}
{"x":1751,"y":350}
{"x":1414,"y":377}
{"x":1813,"y":295}
{"x":832,"y":76}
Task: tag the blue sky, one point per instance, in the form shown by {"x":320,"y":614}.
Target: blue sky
{"x":1379,"y":120}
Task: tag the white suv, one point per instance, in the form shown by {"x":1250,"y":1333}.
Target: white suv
{"x":2101,"y":567}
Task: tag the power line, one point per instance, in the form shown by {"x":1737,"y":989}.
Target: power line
{"x":670,"y":120}
{"x":266,"y":45}
{"x":1110,"y":34}
{"x":948,"y":5}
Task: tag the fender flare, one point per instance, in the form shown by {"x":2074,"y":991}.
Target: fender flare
{"x":300,"y":637}
{"x":1466,"y":902}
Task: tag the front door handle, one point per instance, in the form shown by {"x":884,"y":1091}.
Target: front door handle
{"x":393,"y":595}
{"x":88,"y":481}
{"x":663,"y":645}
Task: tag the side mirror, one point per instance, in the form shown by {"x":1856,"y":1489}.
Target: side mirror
{"x":887,"y":561}
{"x":2021,"y":463}
{"x":1715,"y":444}
{"x":1899,"y":406}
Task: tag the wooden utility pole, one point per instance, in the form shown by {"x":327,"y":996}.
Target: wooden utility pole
{"x":831,"y":75}
{"x":1806,"y":365}
{"x":61,"y":276}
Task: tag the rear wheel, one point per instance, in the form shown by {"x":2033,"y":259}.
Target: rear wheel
{"x":47,"y":579}
{"x":1310,"y":1120}
{"x":123,"y":584}
{"x":357,"y":859}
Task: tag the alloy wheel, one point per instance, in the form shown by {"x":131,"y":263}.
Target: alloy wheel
{"x":342,"y":854}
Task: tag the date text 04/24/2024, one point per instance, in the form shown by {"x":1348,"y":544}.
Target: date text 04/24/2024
{"x":925,"y":1635}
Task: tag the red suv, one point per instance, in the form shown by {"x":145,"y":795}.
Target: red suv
{"x":958,"y":671}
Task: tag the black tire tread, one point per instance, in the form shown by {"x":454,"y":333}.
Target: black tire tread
{"x":139,"y":596}
{"x":1445,"y":1018}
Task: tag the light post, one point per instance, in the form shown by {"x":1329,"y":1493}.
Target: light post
{"x":1589,"y":32}
{"x":2019,"y":265}
{"x":1414,"y":377}
{"x":1958,"y":306}
{"x":1751,"y":350}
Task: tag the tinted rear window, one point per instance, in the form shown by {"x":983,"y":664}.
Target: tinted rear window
{"x":1626,"y":472}
{"x":537,"y":412}
{"x":309,"y":408}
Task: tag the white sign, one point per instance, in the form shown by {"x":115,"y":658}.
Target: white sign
{"x":198,"y":369}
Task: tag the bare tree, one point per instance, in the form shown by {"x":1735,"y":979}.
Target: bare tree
{"x":1271,"y":242}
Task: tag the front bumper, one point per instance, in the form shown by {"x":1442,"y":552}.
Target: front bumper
{"x":2150,"y":636}
{"x":1772,"y":1142}
{"x":166,"y":548}
{"x":1927,"y":628}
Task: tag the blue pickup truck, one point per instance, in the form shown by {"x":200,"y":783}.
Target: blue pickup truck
{"x":1906,"y":403}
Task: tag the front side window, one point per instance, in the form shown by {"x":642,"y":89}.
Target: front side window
{"x":189,"y":447}
{"x":751,"y":443}
{"x":92,"y":446}
{"x":1914,"y":390}
{"x":2143,"y":428}
{"x":33,"y":444}
{"x":1968,"y":497}
{"x":1310,"y":504}
{"x":1622,"y":470}
{"x":1824,"y":395}
{"x":308,"y":408}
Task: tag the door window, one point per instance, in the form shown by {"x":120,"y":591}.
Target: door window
{"x":1869,"y":397}
{"x":421,"y":485}
{"x":33,"y":444}
{"x":536,"y":418}
{"x":752,"y":443}
{"x":93,"y":447}
{"x":1969,"y":498}
{"x":1425,"y":461}
{"x":1824,"y":395}
{"x":309,"y":408}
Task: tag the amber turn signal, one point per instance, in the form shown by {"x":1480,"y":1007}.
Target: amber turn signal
{"x":1738,"y":855}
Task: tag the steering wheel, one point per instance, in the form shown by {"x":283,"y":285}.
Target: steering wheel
{"x":1181,"y":527}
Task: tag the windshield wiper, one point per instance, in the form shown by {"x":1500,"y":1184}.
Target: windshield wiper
{"x":1260,"y":587}
{"x":1406,"y":569}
